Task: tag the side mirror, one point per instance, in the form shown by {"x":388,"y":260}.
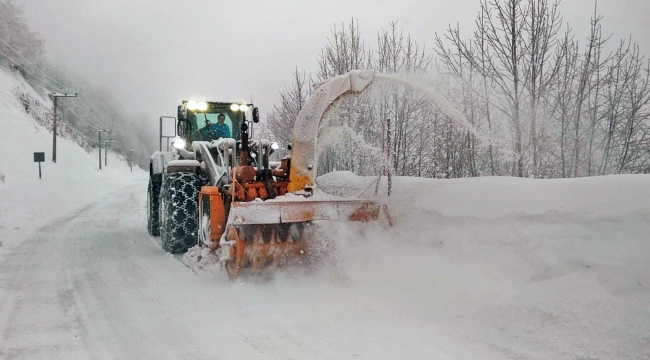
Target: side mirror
{"x":256,"y":115}
{"x":182,"y":113}
{"x":168,"y":129}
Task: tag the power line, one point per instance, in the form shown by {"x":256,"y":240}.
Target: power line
{"x":91,"y":125}
{"x":62,"y":87}
{"x":30,"y":73}
{"x":15,"y":117}
{"x":89,"y":111}
{"x":68,"y":126}
{"x":36,"y":67}
{"x":13,"y":99}
{"x":18,"y":102}
{"x":91,"y":115}
{"x":8,"y":96}
{"x":90,"y":140}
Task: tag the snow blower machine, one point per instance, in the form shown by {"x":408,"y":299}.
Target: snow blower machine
{"x":217,"y":188}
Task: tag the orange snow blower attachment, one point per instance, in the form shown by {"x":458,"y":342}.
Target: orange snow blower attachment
{"x":271,"y":210}
{"x":263,"y":233}
{"x":272,"y":234}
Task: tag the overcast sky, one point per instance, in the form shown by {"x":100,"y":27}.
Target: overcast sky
{"x":153,"y":53}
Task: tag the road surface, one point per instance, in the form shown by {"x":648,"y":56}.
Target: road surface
{"x":92,"y":284}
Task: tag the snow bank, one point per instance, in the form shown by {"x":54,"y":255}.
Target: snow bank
{"x":484,"y":268}
{"x":616,"y":196}
{"x":66,"y":186}
{"x":510,"y":267}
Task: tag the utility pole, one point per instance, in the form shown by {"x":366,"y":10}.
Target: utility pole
{"x":106,"y":151}
{"x":54,"y":98}
{"x":110,"y":135}
{"x":131,"y":159}
{"x":100,"y":148}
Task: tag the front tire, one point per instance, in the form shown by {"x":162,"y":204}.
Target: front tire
{"x":179,"y":211}
{"x":153,"y":204}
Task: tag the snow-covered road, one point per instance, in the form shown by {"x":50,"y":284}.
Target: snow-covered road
{"x":94,"y":285}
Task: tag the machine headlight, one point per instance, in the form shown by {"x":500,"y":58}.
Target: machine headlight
{"x":202,"y":106}
{"x":192,"y":105}
{"x":234,"y":107}
{"x":179,"y":143}
{"x":243,"y":107}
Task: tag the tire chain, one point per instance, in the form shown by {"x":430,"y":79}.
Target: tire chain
{"x":180,"y":209}
{"x":153,"y":205}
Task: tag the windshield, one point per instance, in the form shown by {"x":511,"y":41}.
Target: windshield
{"x":215,"y":124}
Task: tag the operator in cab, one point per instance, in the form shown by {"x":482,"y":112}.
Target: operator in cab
{"x":215,"y":131}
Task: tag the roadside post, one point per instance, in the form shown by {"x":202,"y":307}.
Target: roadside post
{"x":131,"y":159}
{"x":106,"y":144}
{"x":39,"y":157}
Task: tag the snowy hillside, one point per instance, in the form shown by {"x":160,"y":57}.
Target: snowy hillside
{"x":74,"y":181}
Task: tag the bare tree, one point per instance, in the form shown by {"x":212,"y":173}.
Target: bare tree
{"x":279,"y":123}
{"x":585,"y":74}
{"x":502,"y":40}
{"x":626,"y":111}
{"x":541,"y":28}
{"x":18,"y":44}
{"x":345,"y":51}
{"x":562,"y":99}
{"x":537,"y":103}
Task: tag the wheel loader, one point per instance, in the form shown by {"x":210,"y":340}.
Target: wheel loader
{"x":218,"y":188}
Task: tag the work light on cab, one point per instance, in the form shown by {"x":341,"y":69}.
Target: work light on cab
{"x":194,"y":105}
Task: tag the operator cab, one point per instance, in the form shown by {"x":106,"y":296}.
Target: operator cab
{"x":208,"y":121}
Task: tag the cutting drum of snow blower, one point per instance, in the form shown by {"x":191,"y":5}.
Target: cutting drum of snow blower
{"x":218,"y":189}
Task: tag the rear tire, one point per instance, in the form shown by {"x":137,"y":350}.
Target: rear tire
{"x":179,"y":211}
{"x":153,"y":204}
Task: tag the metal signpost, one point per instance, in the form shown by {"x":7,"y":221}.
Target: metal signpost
{"x":39,"y":157}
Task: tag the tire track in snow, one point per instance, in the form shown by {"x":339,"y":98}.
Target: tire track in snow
{"x":37,"y":302}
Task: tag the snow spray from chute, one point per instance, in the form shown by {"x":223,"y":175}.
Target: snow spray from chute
{"x":434,"y":89}
{"x":310,"y":122}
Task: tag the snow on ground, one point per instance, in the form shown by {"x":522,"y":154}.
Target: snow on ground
{"x":534,"y":269}
{"x":483,"y":268}
{"x":66,"y":186}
